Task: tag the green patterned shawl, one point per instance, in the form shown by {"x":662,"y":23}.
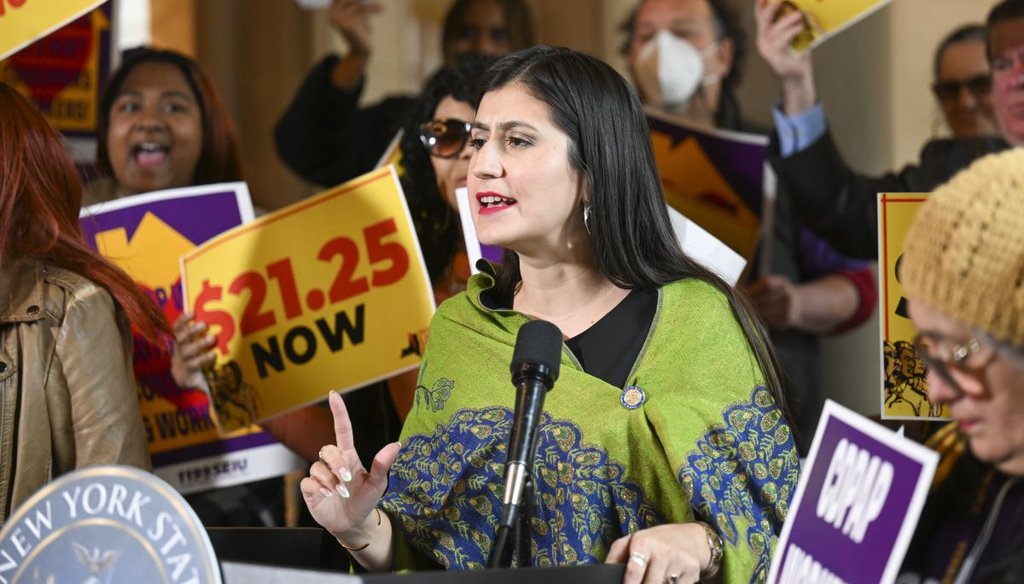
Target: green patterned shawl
{"x":707,"y":443}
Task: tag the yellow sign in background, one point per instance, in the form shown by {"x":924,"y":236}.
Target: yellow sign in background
{"x":23,"y":21}
{"x":904,"y":387}
{"x":329,"y":293}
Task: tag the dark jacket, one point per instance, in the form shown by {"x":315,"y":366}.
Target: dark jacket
{"x":842,"y":206}
{"x":326,"y":138}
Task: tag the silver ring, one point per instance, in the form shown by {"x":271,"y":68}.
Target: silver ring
{"x":638,"y":559}
{"x":320,"y":455}
{"x":673,"y":578}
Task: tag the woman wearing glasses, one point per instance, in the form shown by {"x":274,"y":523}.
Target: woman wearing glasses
{"x":435,"y":158}
{"x":663,"y":444}
{"x":963,"y":270}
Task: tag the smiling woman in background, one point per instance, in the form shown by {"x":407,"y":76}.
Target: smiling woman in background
{"x":67,"y":393}
{"x":163,"y":125}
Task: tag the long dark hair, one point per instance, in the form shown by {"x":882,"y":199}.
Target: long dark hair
{"x":610,"y":146}
{"x":40,"y":197}
{"x":437,"y":225}
{"x":219,"y":159}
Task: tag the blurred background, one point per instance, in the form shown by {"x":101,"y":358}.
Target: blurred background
{"x":874,"y":79}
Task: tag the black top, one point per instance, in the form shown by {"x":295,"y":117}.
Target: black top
{"x":609,"y":348}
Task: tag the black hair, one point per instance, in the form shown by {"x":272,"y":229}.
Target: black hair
{"x":967,"y":32}
{"x":219,"y":157}
{"x":727,"y":25}
{"x":634,"y":245}
{"x":518,"y":21}
{"x":437,"y":225}
{"x":1006,"y":10}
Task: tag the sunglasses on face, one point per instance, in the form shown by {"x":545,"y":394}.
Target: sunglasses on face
{"x":444,"y":138}
{"x":950,"y":90}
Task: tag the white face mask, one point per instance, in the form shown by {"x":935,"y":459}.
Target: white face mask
{"x":669,"y":70}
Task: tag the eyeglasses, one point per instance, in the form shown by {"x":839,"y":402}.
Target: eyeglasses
{"x":978,"y":85}
{"x":940,"y":356}
{"x":444,"y":138}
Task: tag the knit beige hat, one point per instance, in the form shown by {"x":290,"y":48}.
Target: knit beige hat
{"x":964,"y":253}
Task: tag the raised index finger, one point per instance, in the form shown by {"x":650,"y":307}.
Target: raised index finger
{"x":342,"y":423}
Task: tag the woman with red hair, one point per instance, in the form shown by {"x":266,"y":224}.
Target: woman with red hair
{"x":67,"y":391}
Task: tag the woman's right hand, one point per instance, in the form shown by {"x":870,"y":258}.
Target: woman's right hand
{"x":340,"y":494}
{"x":193,"y":352}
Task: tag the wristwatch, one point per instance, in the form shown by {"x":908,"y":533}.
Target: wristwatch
{"x":717,"y":547}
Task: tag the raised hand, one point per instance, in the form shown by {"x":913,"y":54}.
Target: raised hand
{"x":352,"y":19}
{"x":775,"y":32}
{"x":193,"y":352}
{"x":342,"y":496}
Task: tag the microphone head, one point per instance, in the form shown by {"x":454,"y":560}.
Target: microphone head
{"x":538,"y":347}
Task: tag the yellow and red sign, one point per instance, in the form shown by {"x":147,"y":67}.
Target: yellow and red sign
{"x":64,"y":72}
{"x":329,"y":293}
{"x":23,"y":21}
{"x":826,"y":18}
{"x":904,"y":387}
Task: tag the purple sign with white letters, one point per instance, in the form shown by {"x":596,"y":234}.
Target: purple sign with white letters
{"x":859,"y":499}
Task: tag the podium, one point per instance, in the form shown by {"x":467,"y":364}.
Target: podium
{"x":239,"y":573}
{"x":309,"y":556}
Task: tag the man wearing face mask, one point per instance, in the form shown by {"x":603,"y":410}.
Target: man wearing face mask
{"x":681,"y":55}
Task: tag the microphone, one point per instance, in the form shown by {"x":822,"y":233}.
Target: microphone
{"x":534,"y":368}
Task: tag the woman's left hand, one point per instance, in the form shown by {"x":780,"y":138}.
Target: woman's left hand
{"x":674,"y":554}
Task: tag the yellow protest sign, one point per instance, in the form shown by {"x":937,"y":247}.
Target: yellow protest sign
{"x":23,"y":21}
{"x":904,"y":387}
{"x":145,"y":235}
{"x":329,"y":293}
{"x":826,"y":18}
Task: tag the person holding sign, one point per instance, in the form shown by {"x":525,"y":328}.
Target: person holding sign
{"x":435,"y":159}
{"x":684,"y":57}
{"x":962,"y":269}
{"x":67,"y":392}
{"x":664,"y":444}
{"x":163,"y":125}
{"x":840,"y":204}
{"x":327,"y":139}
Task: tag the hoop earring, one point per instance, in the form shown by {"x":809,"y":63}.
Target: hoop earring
{"x":586,"y":217}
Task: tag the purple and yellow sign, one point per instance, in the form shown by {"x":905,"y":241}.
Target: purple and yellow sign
{"x":904,"y":394}
{"x":328,"y":293}
{"x":860,"y":495}
{"x":146,"y":235}
{"x":717,"y":179}
{"x":64,"y":72}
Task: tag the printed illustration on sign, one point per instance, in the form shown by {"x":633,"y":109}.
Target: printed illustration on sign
{"x":904,"y":385}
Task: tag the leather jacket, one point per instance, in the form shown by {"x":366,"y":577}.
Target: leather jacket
{"x":67,"y":390}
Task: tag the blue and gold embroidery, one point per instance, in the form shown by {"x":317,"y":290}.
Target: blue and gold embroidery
{"x":446,"y":490}
{"x":751,"y":452}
